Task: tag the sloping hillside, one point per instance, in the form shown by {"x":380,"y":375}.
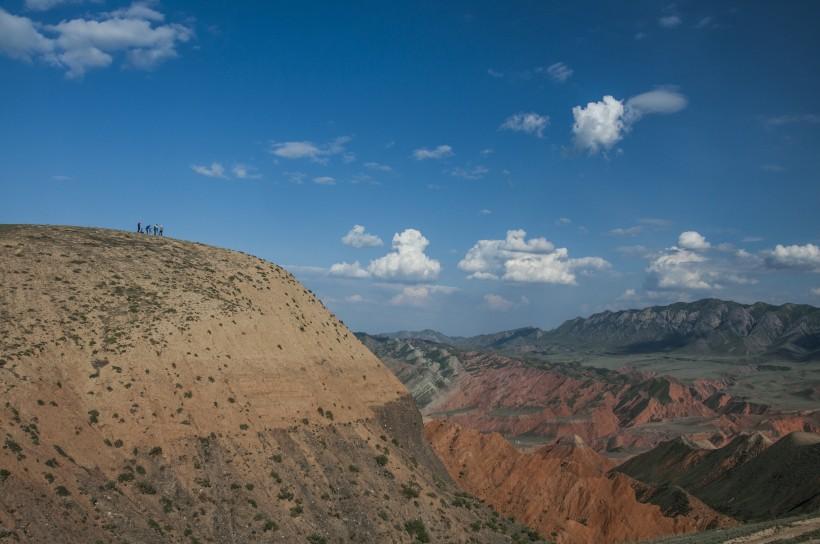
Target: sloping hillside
{"x":565,"y":491}
{"x":162,"y":391}
{"x":749,"y":478}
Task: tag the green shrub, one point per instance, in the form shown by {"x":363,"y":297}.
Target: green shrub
{"x":381,"y":460}
{"x":415,"y":528}
{"x":316,"y":538}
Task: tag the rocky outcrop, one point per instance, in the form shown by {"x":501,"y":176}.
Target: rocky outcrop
{"x":565,"y":489}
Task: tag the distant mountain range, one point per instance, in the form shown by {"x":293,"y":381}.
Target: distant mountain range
{"x":708,"y":326}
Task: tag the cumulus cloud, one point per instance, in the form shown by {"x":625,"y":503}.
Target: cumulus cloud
{"x":626,"y":231}
{"x":529,"y":123}
{"x":354,"y":298}
{"x":324,"y":180}
{"x":693,"y":240}
{"x":407,"y":261}
{"x":677,"y":268}
{"x":696,"y":265}
{"x":20,"y":39}
{"x":519,"y":259}
{"x":497,"y":302}
{"x":419,"y":295}
{"x":215,"y":170}
{"x":816,"y":291}
{"x":598,"y":126}
{"x":438,"y":152}
{"x":805,"y":257}
{"x":357,"y":237}
{"x":559,"y":72}
{"x":349,"y":270}
{"x":78,"y":45}
{"x":308,"y":150}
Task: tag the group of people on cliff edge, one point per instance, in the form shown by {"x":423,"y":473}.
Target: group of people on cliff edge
{"x":155,"y":229}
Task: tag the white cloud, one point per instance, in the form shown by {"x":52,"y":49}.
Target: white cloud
{"x":355,"y":299}
{"x":676,"y":268}
{"x":378,"y":166}
{"x":686,"y":267}
{"x":816,"y":291}
{"x":60,"y":177}
{"x":488,"y":151}
{"x":215,"y":170}
{"x":477,"y":172}
{"x":78,"y":45}
{"x":324,"y":180}
{"x":20,"y":39}
{"x":805,"y":257}
{"x":693,"y":240}
{"x":497,"y":302}
{"x":494,"y":73}
{"x":137,"y":10}
{"x":529,"y":123}
{"x":485,"y":211}
{"x":308,"y":150}
{"x":407,"y":261}
{"x":357,"y":237}
{"x":600,"y":125}
{"x":419,"y":295}
{"x":670,"y":21}
{"x":564,"y":221}
{"x":559,"y":71}
{"x":663,"y":101}
{"x":520,"y":260}
{"x":241,"y":171}
{"x":439,"y":152}
{"x":349,"y":270}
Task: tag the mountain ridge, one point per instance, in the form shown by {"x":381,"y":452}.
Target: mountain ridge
{"x":707,"y":326}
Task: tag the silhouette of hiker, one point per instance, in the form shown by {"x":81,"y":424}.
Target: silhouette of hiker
{"x":148,"y":229}
{"x":139,"y":226}
{"x":160,"y":231}
{"x":155,"y":230}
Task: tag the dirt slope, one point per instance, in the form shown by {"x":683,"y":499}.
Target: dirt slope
{"x":162,"y":391}
{"x":565,"y":490}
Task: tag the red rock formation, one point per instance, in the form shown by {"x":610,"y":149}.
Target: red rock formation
{"x":565,"y":490}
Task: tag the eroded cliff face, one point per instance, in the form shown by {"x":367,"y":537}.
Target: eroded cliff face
{"x":566,"y":490}
{"x":749,"y":478}
{"x":162,"y":391}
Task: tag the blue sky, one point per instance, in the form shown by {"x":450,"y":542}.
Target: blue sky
{"x":511,"y":164}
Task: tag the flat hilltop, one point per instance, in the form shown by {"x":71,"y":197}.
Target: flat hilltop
{"x":155,"y":390}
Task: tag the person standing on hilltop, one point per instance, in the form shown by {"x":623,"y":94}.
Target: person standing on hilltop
{"x":148,"y":229}
{"x":160,"y":231}
{"x":139,"y":227}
